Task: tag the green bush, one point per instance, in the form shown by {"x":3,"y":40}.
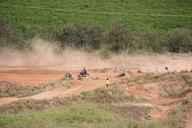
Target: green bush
{"x":116,"y":39}
{"x":80,"y":36}
{"x":180,"y":41}
{"x":8,"y":38}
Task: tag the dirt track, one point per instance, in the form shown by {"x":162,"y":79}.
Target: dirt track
{"x":27,"y":75}
{"x":76,"y":89}
{"x":21,"y":73}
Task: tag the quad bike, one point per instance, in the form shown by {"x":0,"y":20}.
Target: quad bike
{"x":68,"y":76}
{"x":83,"y":74}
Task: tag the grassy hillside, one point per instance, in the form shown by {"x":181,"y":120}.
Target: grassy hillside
{"x":73,"y":116}
{"x":139,"y":15}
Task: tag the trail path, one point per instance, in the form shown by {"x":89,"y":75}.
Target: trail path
{"x":76,"y":89}
{"x":7,"y":100}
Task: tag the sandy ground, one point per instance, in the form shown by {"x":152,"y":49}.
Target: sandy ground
{"x":21,"y":73}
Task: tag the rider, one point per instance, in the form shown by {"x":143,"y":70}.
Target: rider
{"x":83,"y":72}
{"x":107,"y":82}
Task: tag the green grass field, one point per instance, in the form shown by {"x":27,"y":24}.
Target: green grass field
{"x":73,"y":116}
{"x":145,"y":15}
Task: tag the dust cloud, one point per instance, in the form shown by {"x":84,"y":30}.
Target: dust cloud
{"x":47,"y":55}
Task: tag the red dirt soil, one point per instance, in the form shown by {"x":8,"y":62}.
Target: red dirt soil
{"x":30,"y":76}
{"x":24,"y":73}
{"x":136,"y":66}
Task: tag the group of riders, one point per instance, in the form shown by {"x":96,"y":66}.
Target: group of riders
{"x":82,"y":74}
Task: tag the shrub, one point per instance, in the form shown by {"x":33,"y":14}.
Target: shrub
{"x":117,"y":39}
{"x":8,"y":38}
{"x":80,"y":36}
{"x":179,"y":41}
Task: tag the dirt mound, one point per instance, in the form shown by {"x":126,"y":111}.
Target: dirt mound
{"x":8,"y":89}
{"x":165,"y":90}
{"x":101,"y":96}
{"x":4,"y":84}
{"x":113,"y":97}
{"x":114,"y":94}
{"x":176,"y":84}
{"x":33,"y":105}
